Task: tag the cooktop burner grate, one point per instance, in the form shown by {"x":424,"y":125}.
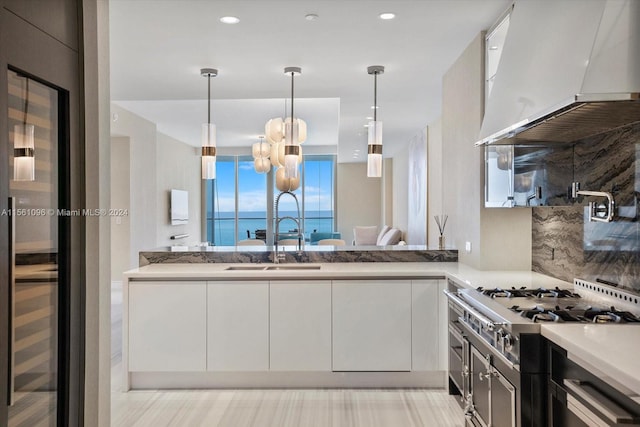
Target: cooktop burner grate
{"x":526,"y":293}
{"x":571,"y":314}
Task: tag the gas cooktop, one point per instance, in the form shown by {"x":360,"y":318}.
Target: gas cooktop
{"x":561,"y":305}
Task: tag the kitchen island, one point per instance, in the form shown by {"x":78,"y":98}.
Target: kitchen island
{"x":285,"y":325}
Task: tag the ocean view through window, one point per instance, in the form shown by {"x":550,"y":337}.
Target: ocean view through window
{"x":238,"y":205}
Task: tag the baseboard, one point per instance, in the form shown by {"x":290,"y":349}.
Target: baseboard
{"x":214,"y":380}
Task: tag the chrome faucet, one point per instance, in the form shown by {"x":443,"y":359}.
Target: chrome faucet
{"x":277,"y":257}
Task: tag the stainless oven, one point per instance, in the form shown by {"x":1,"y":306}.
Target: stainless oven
{"x":496,"y":387}
{"x":458,"y":356}
{"x":509,"y":361}
{"x":492,"y":399}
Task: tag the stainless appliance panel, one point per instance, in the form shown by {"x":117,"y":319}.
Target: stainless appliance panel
{"x":480,"y":386}
{"x":503,"y":401}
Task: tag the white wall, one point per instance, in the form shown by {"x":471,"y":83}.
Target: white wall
{"x":142,"y":166}
{"x":120,"y":199}
{"x":386,"y":197}
{"x":97,"y":301}
{"x":157,"y":163}
{"x":359,"y":198}
{"x":435,"y":182}
{"x":500,"y":238}
{"x":178,"y":167}
{"x":461,"y":119}
{"x":400,"y":198}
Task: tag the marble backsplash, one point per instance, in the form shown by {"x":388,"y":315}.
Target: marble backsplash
{"x":313,"y":254}
{"x":565,"y":244}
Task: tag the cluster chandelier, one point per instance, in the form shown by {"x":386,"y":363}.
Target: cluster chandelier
{"x":208,"y":132}
{"x":374,"y":146}
{"x":285,"y":136}
{"x":261,"y":152}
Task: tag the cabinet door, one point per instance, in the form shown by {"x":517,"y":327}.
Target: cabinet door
{"x":167,"y":326}
{"x":425,"y":325}
{"x":238,"y":326}
{"x":300,"y":325}
{"x":371,"y":325}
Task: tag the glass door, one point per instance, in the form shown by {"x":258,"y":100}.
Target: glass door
{"x":35,"y":251}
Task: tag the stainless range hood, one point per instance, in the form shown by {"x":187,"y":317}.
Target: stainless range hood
{"x":569,"y":69}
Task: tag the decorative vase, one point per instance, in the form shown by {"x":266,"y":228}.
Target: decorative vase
{"x":441,"y":242}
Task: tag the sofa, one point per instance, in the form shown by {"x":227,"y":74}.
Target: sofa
{"x":370,"y":236}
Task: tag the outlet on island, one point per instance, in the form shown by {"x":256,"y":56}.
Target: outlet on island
{"x":467,"y":247}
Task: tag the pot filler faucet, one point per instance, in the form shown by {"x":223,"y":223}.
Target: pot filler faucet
{"x":276,"y":255}
{"x":597,"y":211}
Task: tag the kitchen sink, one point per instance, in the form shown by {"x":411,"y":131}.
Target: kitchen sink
{"x":280,"y":267}
{"x":293,"y":267}
{"x":245,"y":267}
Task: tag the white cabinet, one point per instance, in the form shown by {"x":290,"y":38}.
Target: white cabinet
{"x":371,"y":325}
{"x":167,"y":326}
{"x":300,"y":325}
{"x":238,"y":326}
{"x":427,"y":322}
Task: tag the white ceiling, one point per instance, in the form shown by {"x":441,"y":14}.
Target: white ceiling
{"x":159,"y":46}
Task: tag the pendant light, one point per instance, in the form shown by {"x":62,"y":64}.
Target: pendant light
{"x":374,"y":147}
{"x":24,"y":164}
{"x":208,"y":132}
{"x":287,"y":135}
{"x":261,"y":151}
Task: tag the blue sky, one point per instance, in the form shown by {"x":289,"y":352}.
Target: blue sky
{"x":252,"y":189}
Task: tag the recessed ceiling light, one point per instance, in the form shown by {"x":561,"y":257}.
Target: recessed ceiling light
{"x":311,"y":17}
{"x":356,"y":150}
{"x":366,"y":126}
{"x":493,"y":48}
{"x":369,"y":118}
{"x":229,"y":19}
{"x":375,"y":107}
{"x":387,"y":15}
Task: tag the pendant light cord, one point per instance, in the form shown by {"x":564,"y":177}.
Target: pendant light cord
{"x":26,"y":101}
{"x":375,"y":96}
{"x":292,"y":74}
{"x":208,"y":100}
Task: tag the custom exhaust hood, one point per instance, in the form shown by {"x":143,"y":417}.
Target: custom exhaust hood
{"x":569,"y":70}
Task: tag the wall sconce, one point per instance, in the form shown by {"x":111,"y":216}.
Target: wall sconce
{"x":24,"y":162}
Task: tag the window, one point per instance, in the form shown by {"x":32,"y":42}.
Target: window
{"x":494,"y":43}
{"x":252,"y":201}
{"x":221,"y":203}
{"x":238,"y":206}
{"x":319,"y":194}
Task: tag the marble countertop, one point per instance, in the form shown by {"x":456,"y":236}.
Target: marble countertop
{"x":610,"y":351}
{"x":306,"y":247}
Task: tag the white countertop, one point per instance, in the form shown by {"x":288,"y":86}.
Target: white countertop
{"x":327,"y":270}
{"x":463,"y":274}
{"x":610,"y":349}
{"x":472,"y":278}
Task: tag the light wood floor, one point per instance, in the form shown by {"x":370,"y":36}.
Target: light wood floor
{"x":281,"y":408}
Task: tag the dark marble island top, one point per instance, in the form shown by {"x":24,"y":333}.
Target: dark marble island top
{"x":309,"y":253}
